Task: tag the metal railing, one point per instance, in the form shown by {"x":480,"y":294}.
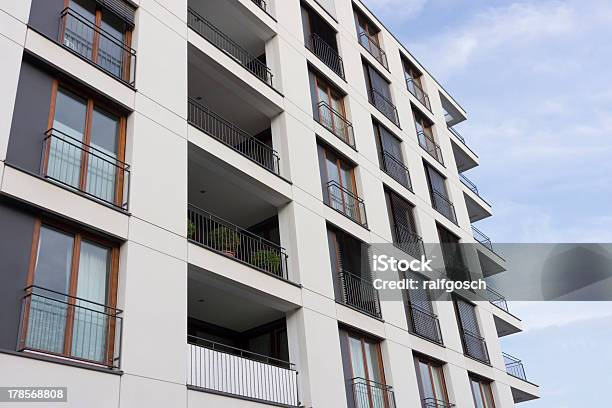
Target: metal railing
{"x":415,"y":89}
{"x":425,"y":323}
{"x":359,"y":293}
{"x":85,"y":168}
{"x":261,"y":4}
{"x":396,"y":169}
{"x":228,"y":370}
{"x":430,"y":146}
{"x":481,"y":238}
{"x":325,"y":53}
{"x":370,"y":394}
{"x":95,"y":44}
{"x":469,"y":183}
{"x":442,"y":204}
{"x":232,"y":136}
{"x":220,"y":40}
{"x":497,"y":299}
{"x":456,"y":134}
{"x":514,"y":367}
{"x":347,"y":203}
{"x":371,"y":45}
{"x":336,"y":123}
{"x":66,"y":326}
{"x":222,"y":236}
{"x":384,"y":105}
{"x":475,"y":346}
{"x":408,"y":241}
{"x":436,"y":403}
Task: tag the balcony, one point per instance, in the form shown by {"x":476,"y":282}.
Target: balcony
{"x":232,"y":136}
{"x":415,"y":89}
{"x":370,"y":394}
{"x":430,"y":146}
{"x":336,"y":123}
{"x":497,"y":299}
{"x":262,"y":5}
{"x":64,"y":326}
{"x":212,"y":232}
{"x":371,"y":45}
{"x":359,"y":293}
{"x":219,"y":39}
{"x":408,"y":241}
{"x":465,"y":158}
{"x":346,"y":203}
{"x":396,"y":169}
{"x":514,"y":367}
{"x":84,"y":168}
{"x":424,"y":323}
{"x":443,"y":205}
{"x":384,"y":105}
{"x":475,"y":346}
{"x":478,"y":208}
{"x":436,"y":403}
{"x":326,"y":53}
{"x":482,"y":239}
{"x":228,"y":370}
{"x":98,"y":46}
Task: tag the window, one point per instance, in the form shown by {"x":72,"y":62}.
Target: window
{"x":85,"y":147}
{"x":339,"y":185}
{"x":379,"y":93}
{"x":71,"y":295}
{"x":328,"y":105}
{"x":99,"y":35}
{"x":439,"y":194}
{"x":482,"y":392}
{"x":425,"y":136}
{"x":422,"y":321}
{"x":452,"y":254}
{"x":473,"y":343}
{"x":403,"y":225}
{"x":390,"y":155}
{"x":432,"y":386}
{"x":414,"y":82}
{"x":368,"y":36}
{"x":320,"y":38}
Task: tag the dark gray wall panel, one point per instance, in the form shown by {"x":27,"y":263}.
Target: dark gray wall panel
{"x":16,"y":229}
{"x":30,"y":118}
{"x":45,"y":16}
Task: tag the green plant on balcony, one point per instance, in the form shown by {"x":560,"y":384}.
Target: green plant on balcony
{"x":225,"y":240}
{"x":191,"y":230}
{"x":267,"y":260}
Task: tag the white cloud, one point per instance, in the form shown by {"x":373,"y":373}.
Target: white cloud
{"x":542,"y":315}
{"x":396,"y":8}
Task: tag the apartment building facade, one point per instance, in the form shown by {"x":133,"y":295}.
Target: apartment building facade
{"x":186,"y":188}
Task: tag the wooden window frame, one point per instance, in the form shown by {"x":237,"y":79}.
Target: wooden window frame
{"x":78,"y":236}
{"x":91,"y":102}
{"x":485,"y":388}
{"x":329,"y":88}
{"x":327,"y":151}
{"x":366,"y":25}
{"x":430,"y":363}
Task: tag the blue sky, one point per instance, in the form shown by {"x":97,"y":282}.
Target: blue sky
{"x":536,"y":80}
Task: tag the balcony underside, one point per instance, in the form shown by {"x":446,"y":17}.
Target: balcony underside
{"x":505,"y":323}
{"x":478,"y":208}
{"x":490,"y":263}
{"x":523,"y":391}
{"x":464,"y":157}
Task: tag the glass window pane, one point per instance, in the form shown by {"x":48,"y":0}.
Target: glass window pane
{"x":478,"y":401}
{"x":426,"y":380}
{"x":102,"y":165}
{"x":357,"y":357}
{"x":488,"y":393}
{"x":54,"y":260}
{"x":111,"y":53}
{"x":79,"y":27}
{"x":438,"y":382}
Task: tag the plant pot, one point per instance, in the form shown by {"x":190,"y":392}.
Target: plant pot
{"x":230,"y":253}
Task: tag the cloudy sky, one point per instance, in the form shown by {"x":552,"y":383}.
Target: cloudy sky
{"x":536,"y":80}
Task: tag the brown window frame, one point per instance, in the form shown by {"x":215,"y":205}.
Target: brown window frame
{"x":326,"y":151}
{"x":330,"y":90}
{"x":91,"y":101}
{"x":78,"y":235}
{"x":430,"y":362}
{"x":485,"y":387}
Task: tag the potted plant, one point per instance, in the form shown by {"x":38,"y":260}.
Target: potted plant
{"x":267,"y":260}
{"x":225,"y":240}
{"x":191,"y":230}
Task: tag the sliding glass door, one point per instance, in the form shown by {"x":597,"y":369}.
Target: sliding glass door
{"x":368,"y":377}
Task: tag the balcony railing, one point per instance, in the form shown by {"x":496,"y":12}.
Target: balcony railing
{"x":325,"y":53}
{"x":443,"y":205}
{"x":436,"y":403}
{"x":408,"y":241}
{"x":370,"y":394}
{"x":481,"y":238}
{"x":430,"y":146}
{"x":347,"y":203}
{"x":92,"y":171}
{"x":497,"y":299}
{"x":371,"y":45}
{"x":65,"y":326}
{"x":384,"y":105}
{"x":261,"y":4}
{"x":359,"y":293}
{"x":336,"y":123}
{"x":461,"y":138}
{"x":102,"y":48}
{"x":469,"y":183}
{"x":424,"y":323}
{"x":220,"y":40}
{"x":232,"y":136}
{"x":218,"y":368}
{"x":217,"y":234}
{"x":475,"y":346}
{"x":415,"y":89}
{"x":514,"y":367}
{"x":396,"y":169}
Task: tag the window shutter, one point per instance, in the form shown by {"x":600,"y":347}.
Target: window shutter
{"x":121,"y":8}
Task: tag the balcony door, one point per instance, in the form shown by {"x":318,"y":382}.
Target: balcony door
{"x":369,"y":387}
{"x":437,"y":183}
{"x":375,"y":82}
{"x":424,"y":133}
{"x":341,"y":185}
{"x":482,"y":393}
{"x":71,"y":283}
{"x":334,"y":119}
{"x":85,"y":146}
{"x":431,"y":383}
